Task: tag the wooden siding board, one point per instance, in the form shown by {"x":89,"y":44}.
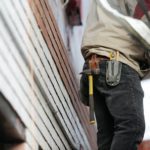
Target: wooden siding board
{"x":36,"y":118}
{"x":47,"y":38}
{"x":39,"y":81}
{"x":48,"y":42}
{"x":36,"y":60}
{"x":59,"y":41}
{"x":53,"y":79}
{"x":45,"y":34}
{"x":80,"y":110}
{"x":48,"y":24}
{"x":40,"y":98}
{"x":9,"y":93}
{"x":83,"y":109}
{"x":58,"y":59}
{"x":49,"y":85}
{"x":60,"y":46}
{"x":10,"y":73}
{"x":54,"y":69}
{"x":49,"y":126}
{"x":31,"y":141}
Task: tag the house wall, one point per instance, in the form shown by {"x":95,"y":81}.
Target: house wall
{"x":37,"y":79}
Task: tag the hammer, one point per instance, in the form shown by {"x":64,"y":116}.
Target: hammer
{"x":93,"y":70}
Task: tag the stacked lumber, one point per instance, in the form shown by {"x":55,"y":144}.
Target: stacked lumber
{"x":37,"y":80}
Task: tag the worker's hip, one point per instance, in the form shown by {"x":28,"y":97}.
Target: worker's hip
{"x":109,"y":77}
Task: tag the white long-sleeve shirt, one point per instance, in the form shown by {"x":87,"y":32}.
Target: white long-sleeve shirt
{"x":104,"y":34}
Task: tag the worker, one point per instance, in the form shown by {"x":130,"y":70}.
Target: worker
{"x":117,"y":91}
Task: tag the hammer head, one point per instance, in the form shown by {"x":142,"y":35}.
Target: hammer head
{"x":91,"y":71}
{"x":93,"y":66}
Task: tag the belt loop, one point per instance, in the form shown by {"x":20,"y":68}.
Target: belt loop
{"x":114,"y":55}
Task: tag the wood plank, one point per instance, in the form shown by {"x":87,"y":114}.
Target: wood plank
{"x":65,"y":59}
{"x":31,"y":141}
{"x":29,"y":46}
{"x":46,"y":80}
{"x":8,"y":73}
{"x":41,"y":41}
{"x":51,"y":74}
{"x":44,"y":107}
{"x":79,"y":105}
{"x":56,"y":32}
{"x":30,"y":92}
{"x":41,"y":68}
{"x":50,"y":45}
{"x":55,"y":58}
{"x":14,"y":101}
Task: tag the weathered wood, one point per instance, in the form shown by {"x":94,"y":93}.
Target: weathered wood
{"x":50,"y":73}
{"x":30,"y":140}
{"x":76,"y":103}
{"x":14,"y":101}
{"x":31,"y":73}
{"x":31,"y":89}
{"x":37,"y":106}
{"x":10,"y":76}
{"x":34,"y":56}
{"x":47,"y":54}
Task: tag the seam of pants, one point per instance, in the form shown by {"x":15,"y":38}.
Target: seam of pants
{"x":133,"y":99}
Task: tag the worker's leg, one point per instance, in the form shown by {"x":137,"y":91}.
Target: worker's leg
{"x":125,"y":103}
{"x":104,"y":123}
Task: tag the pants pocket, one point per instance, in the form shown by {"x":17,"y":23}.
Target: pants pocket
{"x":84,"y":89}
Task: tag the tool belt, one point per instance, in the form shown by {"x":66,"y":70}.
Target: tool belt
{"x":113,"y":67}
{"x":113,"y":73}
{"x":99,"y":58}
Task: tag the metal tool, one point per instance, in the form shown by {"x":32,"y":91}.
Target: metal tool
{"x":93,"y":70}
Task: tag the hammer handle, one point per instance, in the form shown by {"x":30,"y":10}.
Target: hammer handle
{"x":91,"y":100}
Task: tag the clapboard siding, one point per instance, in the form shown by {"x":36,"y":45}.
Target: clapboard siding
{"x":54,"y":85}
{"x":50,"y":31}
{"x":12,"y":81}
{"x":37,"y":79}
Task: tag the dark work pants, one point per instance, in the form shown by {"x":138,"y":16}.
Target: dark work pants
{"x":118,"y":110}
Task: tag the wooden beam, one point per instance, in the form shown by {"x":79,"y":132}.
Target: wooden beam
{"x":50,"y":31}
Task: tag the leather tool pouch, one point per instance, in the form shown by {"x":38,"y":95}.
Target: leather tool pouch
{"x":113,"y":72}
